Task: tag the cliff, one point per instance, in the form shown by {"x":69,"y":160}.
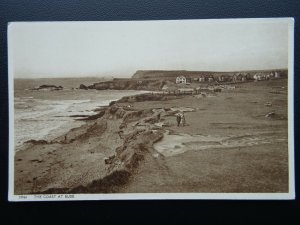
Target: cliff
{"x":172,"y":74}
{"x":97,"y":157}
{"x":155,"y":74}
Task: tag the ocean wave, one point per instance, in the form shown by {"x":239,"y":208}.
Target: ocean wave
{"x":37,"y":118}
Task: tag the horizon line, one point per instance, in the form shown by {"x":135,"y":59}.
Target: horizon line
{"x":112,"y":76}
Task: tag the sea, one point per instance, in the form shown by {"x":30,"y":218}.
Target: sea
{"x":45,"y":114}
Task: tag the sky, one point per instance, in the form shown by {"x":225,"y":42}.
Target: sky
{"x":119,"y":49}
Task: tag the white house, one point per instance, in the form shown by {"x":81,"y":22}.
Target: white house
{"x":180,"y":80}
{"x":259,"y":76}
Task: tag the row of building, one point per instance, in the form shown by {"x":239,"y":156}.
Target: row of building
{"x":227,"y":78}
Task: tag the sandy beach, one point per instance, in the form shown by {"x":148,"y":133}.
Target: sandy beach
{"x":235,"y":140}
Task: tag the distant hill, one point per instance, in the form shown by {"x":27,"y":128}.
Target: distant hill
{"x":171,"y":74}
{"x":157,"y":79}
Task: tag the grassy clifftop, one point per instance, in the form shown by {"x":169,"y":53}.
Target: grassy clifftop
{"x":171,"y":74}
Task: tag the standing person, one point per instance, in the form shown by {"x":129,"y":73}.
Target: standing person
{"x":178,"y":118}
{"x":183,"y":118}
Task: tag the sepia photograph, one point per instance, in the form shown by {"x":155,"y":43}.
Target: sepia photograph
{"x":161,"y":109}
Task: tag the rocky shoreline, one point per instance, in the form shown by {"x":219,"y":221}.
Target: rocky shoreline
{"x":112,"y":143}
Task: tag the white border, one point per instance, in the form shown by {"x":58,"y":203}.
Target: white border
{"x":11,"y":141}
{"x":291,"y":144}
{"x":148,"y":196}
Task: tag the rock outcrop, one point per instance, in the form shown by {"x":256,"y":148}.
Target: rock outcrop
{"x":82,"y":86}
{"x":129,"y":84}
{"x":48,"y":87}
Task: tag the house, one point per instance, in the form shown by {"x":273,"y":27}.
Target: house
{"x":224,"y":78}
{"x":277,"y":75}
{"x":259,"y":76}
{"x":244,"y":78}
{"x":202,"y":79}
{"x":241,"y":77}
{"x":234,"y":78}
{"x":249,"y":76}
{"x":188,"y":80}
{"x":270,"y":76}
{"x":180,"y":80}
{"x":221,"y":78}
{"x":211,"y":78}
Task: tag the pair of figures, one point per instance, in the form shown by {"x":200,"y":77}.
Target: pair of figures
{"x":180,"y":118}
